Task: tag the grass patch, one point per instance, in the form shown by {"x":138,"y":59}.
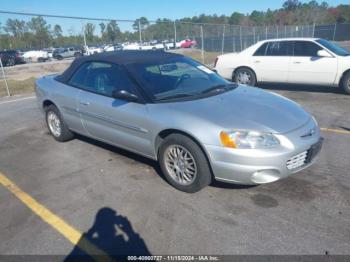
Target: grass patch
{"x":209,"y":57}
{"x":17,"y":86}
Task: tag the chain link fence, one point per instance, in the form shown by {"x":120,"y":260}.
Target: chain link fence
{"x":47,"y":33}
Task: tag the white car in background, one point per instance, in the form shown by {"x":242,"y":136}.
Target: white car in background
{"x":143,"y":46}
{"x":36,"y":56}
{"x":292,"y":60}
{"x":90,"y":50}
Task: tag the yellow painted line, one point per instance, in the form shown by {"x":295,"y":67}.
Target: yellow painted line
{"x":338,"y":131}
{"x":69,"y":232}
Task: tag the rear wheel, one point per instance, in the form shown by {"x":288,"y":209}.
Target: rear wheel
{"x":184,"y":164}
{"x":11,"y":62}
{"x":244,"y":76}
{"x":346,"y":83}
{"x":57,"y":127}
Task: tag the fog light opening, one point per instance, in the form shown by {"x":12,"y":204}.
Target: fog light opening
{"x":266,"y":176}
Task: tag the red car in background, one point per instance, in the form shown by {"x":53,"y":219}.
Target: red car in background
{"x":188,"y":43}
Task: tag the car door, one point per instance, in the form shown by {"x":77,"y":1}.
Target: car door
{"x":306,"y":67}
{"x":66,"y":96}
{"x":271,"y":61}
{"x":114,"y":121}
{"x":70,"y":51}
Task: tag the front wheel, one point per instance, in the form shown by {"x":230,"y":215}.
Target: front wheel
{"x":244,"y":76}
{"x":184,"y":164}
{"x":57,"y":127}
{"x":346,"y":83}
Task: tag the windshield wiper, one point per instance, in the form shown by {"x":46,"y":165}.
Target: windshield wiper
{"x":218,"y":88}
{"x":180,"y":95}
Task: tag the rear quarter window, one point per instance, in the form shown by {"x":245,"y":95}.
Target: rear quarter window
{"x":261,"y":51}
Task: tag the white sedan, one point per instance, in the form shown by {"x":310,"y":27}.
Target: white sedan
{"x":291,"y":60}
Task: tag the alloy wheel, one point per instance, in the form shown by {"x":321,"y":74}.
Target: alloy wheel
{"x":180,"y":164}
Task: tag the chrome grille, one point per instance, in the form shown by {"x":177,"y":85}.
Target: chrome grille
{"x":297,"y":160}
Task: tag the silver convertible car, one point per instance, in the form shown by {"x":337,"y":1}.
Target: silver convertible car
{"x":172,"y":109}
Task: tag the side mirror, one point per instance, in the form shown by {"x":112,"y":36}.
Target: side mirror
{"x":125,"y":95}
{"x":323,"y":53}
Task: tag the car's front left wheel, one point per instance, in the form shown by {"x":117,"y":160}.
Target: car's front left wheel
{"x":346,"y":83}
{"x":184,"y":164}
{"x":56,"y":125}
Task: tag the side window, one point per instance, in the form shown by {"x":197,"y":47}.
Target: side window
{"x":279,"y":48}
{"x":101,"y":78}
{"x":305,"y":48}
{"x":261,"y":50}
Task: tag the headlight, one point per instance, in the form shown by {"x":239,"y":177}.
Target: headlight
{"x":248,"y":139}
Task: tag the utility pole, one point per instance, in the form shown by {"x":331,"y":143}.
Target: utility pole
{"x":335,"y":29}
{"x":174,"y":34}
{"x":140,"y":32}
{"x":202,"y":36}
{"x":3,"y":73}
{"x":240,"y":37}
{"x":223,"y":39}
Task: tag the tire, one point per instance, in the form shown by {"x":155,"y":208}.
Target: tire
{"x":197,"y":164}
{"x":345,"y":84}
{"x":244,"y":76}
{"x":11,"y":62}
{"x":55,"y":123}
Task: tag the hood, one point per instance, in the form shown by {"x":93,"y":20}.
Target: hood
{"x":244,"y":108}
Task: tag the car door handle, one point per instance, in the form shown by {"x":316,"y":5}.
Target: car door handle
{"x":84,"y":103}
{"x":297,"y":62}
{"x":256,"y":61}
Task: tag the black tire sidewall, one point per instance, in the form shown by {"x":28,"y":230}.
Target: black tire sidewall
{"x":66,"y":134}
{"x":345,"y":86}
{"x":203,"y":177}
{"x":251,"y":73}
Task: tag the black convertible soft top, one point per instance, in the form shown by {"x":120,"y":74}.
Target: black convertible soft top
{"x":117,"y":57}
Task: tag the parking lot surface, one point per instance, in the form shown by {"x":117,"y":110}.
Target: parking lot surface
{"x":307,"y":213}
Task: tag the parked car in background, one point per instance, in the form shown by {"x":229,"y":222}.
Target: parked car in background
{"x":311,"y":61}
{"x":172,"y":109}
{"x":67,"y":52}
{"x":90,"y":50}
{"x":11,"y":57}
{"x":188,"y":43}
{"x":112,"y":47}
{"x":49,"y":51}
{"x":36,"y":56}
{"x":144,"y":46}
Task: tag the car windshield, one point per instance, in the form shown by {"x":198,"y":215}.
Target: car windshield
{"x":178,"y":78}
{"x":338,"y":50}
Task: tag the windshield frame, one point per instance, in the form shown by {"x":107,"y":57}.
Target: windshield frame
{"x":334,"y":48}
{"x":225,"y":85}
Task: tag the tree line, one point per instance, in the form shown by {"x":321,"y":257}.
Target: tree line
{"x":37,"y":33}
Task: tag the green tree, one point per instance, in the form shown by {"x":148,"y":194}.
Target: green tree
{"x":89,"y":32}
{"x":143,"y":23}
{"x":236,"y":18}
{"x":258,"y":18}
{"x":291,"y":5}
{"x":57,"y":31}
{"x":40,"y":30}
{"x":113,"y":31}
{"x":15,"y":27}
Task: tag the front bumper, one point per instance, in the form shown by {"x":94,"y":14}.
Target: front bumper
{"x":260,"y":166}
